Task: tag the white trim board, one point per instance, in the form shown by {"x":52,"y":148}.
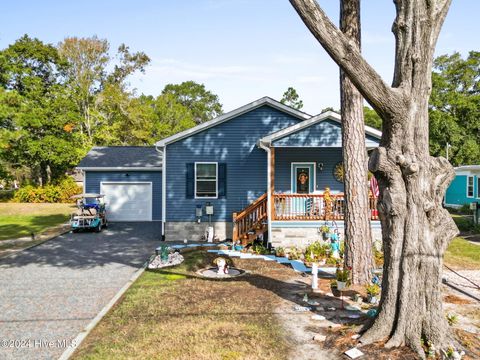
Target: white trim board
{"x":328,"y":115}
{"x":121,"y":168}
{"x":232,"y":114}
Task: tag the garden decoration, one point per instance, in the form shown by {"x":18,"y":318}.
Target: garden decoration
{"x":373,"y":290}
{"x":327,"y":198}
{"x":222,"y":267}
{"x":335,"y":245}
{"x":164,"y":252}
{"x":314,"y":276}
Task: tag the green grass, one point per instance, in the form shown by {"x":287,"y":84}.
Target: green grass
{"x":173,"y":314}
{"x":462,"y":254}
{"x":17,"y":220}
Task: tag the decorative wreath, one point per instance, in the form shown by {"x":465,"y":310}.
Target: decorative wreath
{"x":339,"y":172}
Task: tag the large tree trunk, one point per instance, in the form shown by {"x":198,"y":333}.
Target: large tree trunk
{"x":416,"y":229}
{"x":358,"y":235}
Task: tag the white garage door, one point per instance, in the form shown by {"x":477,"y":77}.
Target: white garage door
{"x":128,"y":201}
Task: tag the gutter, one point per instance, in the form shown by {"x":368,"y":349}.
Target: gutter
{"x":164,"y":186}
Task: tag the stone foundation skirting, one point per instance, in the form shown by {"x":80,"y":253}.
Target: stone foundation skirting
{"x":284,"y":235}
{"x":193,"y":231}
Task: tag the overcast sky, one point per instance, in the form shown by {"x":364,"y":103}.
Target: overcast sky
{"x":240,"y":49}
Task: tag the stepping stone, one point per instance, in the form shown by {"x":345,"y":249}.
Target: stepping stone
{"x":353,"y":353}
{"x":318,"y":317}
{"x":299,"y":266}
{"x":213,"y":251}
{"x":209,"y":244}
{"x":319,"y":338}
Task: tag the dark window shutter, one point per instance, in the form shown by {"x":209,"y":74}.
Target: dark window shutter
{"x":222,"y":180}
{"x":190,"y":181}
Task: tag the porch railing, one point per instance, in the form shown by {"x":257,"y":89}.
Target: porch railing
{"x":314,"y":207}
{"x":252,"y":218}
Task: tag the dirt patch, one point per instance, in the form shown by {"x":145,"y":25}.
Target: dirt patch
{"x":454,"y":299}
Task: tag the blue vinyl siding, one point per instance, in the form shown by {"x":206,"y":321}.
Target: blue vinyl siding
{"x":457,"y":191}
{"x":234,"y":143}
{"x":94,"y":178}
{"x":328,"y":156}
{"x":326,"y":133}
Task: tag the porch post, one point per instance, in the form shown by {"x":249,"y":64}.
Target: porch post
{"x":271,"y":169}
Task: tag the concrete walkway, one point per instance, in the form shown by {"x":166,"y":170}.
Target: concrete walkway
{"x":49,"y":293}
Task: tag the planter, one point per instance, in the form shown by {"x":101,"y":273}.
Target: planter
{"x":341,"y":285}
{"x":372,"y":299}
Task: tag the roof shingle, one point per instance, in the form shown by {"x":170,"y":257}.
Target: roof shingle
{"x":122,"y":157}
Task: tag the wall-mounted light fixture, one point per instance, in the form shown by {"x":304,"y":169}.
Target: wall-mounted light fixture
{"x":320,"y":166}
{"x":127,"y":174}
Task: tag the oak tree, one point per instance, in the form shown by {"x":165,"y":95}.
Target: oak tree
{"x":416,"y":229}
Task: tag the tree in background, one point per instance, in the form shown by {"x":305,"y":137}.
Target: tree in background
{"x":455,"y":108}
{"x":371,"y":118}
{"x":36,"y":113}
{"x":416,"y":228}
{"x":203,"y":104}
{"x":87,"y":76}
{"x":358,"y":233}
{"x":292,"y":99}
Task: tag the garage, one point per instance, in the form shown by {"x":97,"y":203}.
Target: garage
{"x":130,"y":177}
{"x":128,"y":201}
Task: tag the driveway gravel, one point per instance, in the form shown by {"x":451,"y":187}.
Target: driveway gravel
{"x":49,"y":293}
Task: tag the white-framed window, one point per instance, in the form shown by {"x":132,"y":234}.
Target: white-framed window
{"x":206,"y":180}
{"x":478,"y":187}
{"x":470,"y":182}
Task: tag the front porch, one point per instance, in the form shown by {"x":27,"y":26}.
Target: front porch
{"x":304,"y":182}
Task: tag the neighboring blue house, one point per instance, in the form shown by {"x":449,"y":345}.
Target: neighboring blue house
{"x":262,"y":167}
{"x":465,"y":188}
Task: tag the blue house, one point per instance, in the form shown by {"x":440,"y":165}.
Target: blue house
{"x":465,"y":188}
{"x":260,"y":169}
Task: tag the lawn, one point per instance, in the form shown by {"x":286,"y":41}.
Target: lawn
{"x":462,"y":254}
{"x":17,"y":220}
{"x":176,"y":315}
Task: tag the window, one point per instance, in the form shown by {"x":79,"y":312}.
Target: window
{"x":206,"y":180}
{"x":470,"y":186}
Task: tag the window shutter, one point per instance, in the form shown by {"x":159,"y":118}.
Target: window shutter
{"x":190,"y":181}
{"x":222,"y":180}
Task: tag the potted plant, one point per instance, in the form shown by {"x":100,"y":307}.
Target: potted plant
{"x":373,"y":290}
{"x":325,"y":230}
{"x":343,"y":278}
{"x":280,"y":252}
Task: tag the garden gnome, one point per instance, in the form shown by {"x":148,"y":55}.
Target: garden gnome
{"x":314,"y":276}
{"x":222,"y":266}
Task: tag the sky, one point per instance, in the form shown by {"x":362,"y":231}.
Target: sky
{"x":240,"y":49}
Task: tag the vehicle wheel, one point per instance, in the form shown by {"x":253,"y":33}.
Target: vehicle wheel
{"x":98,"y":228}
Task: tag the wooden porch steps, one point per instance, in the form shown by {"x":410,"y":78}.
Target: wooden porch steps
{"x":251,"y":222}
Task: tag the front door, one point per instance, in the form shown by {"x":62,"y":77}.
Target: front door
{"x":303,"y":178}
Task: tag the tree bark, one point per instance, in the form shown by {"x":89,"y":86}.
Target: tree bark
{"x":416,"y":229}
{"x":358,"y":234}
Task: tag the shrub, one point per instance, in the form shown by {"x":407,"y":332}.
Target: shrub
{"x":317,"y":251}
{"x":373,"y":289}
{"x":61,"y":191}
{"x":6,"y":195}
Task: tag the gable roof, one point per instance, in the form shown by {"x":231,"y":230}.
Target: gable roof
{"x":463,"y":169}
{"x":328,"y":115}
{"x":232,"y":114}
{"x":122,"y":158}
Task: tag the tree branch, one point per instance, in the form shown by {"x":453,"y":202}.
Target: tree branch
{"x":346,"y":54}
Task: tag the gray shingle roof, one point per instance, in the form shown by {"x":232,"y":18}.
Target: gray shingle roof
{"x":122,"y":157}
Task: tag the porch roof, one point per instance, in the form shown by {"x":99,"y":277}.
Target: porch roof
{"x":323,"y":130}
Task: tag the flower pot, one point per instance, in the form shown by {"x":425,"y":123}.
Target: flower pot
{"x":341,"y":285}
{"x":372,"y":299}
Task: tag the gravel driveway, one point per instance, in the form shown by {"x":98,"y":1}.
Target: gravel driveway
{"x":49,"y":293}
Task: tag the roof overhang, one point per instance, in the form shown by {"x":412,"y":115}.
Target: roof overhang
{"x":120,"y":168}
{"x":328,"y":115}
{"x":232,"y":114}
{"x":466,"y":168}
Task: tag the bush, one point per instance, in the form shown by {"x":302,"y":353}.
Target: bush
{"x":6,"y":195}
{"x":59,"y":192}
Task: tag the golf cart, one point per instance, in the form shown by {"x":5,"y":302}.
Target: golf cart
{"x":90,"y":213}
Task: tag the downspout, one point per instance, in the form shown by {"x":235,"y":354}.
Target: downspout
{"x":266,"y":147}
{"x":164,"y":186}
